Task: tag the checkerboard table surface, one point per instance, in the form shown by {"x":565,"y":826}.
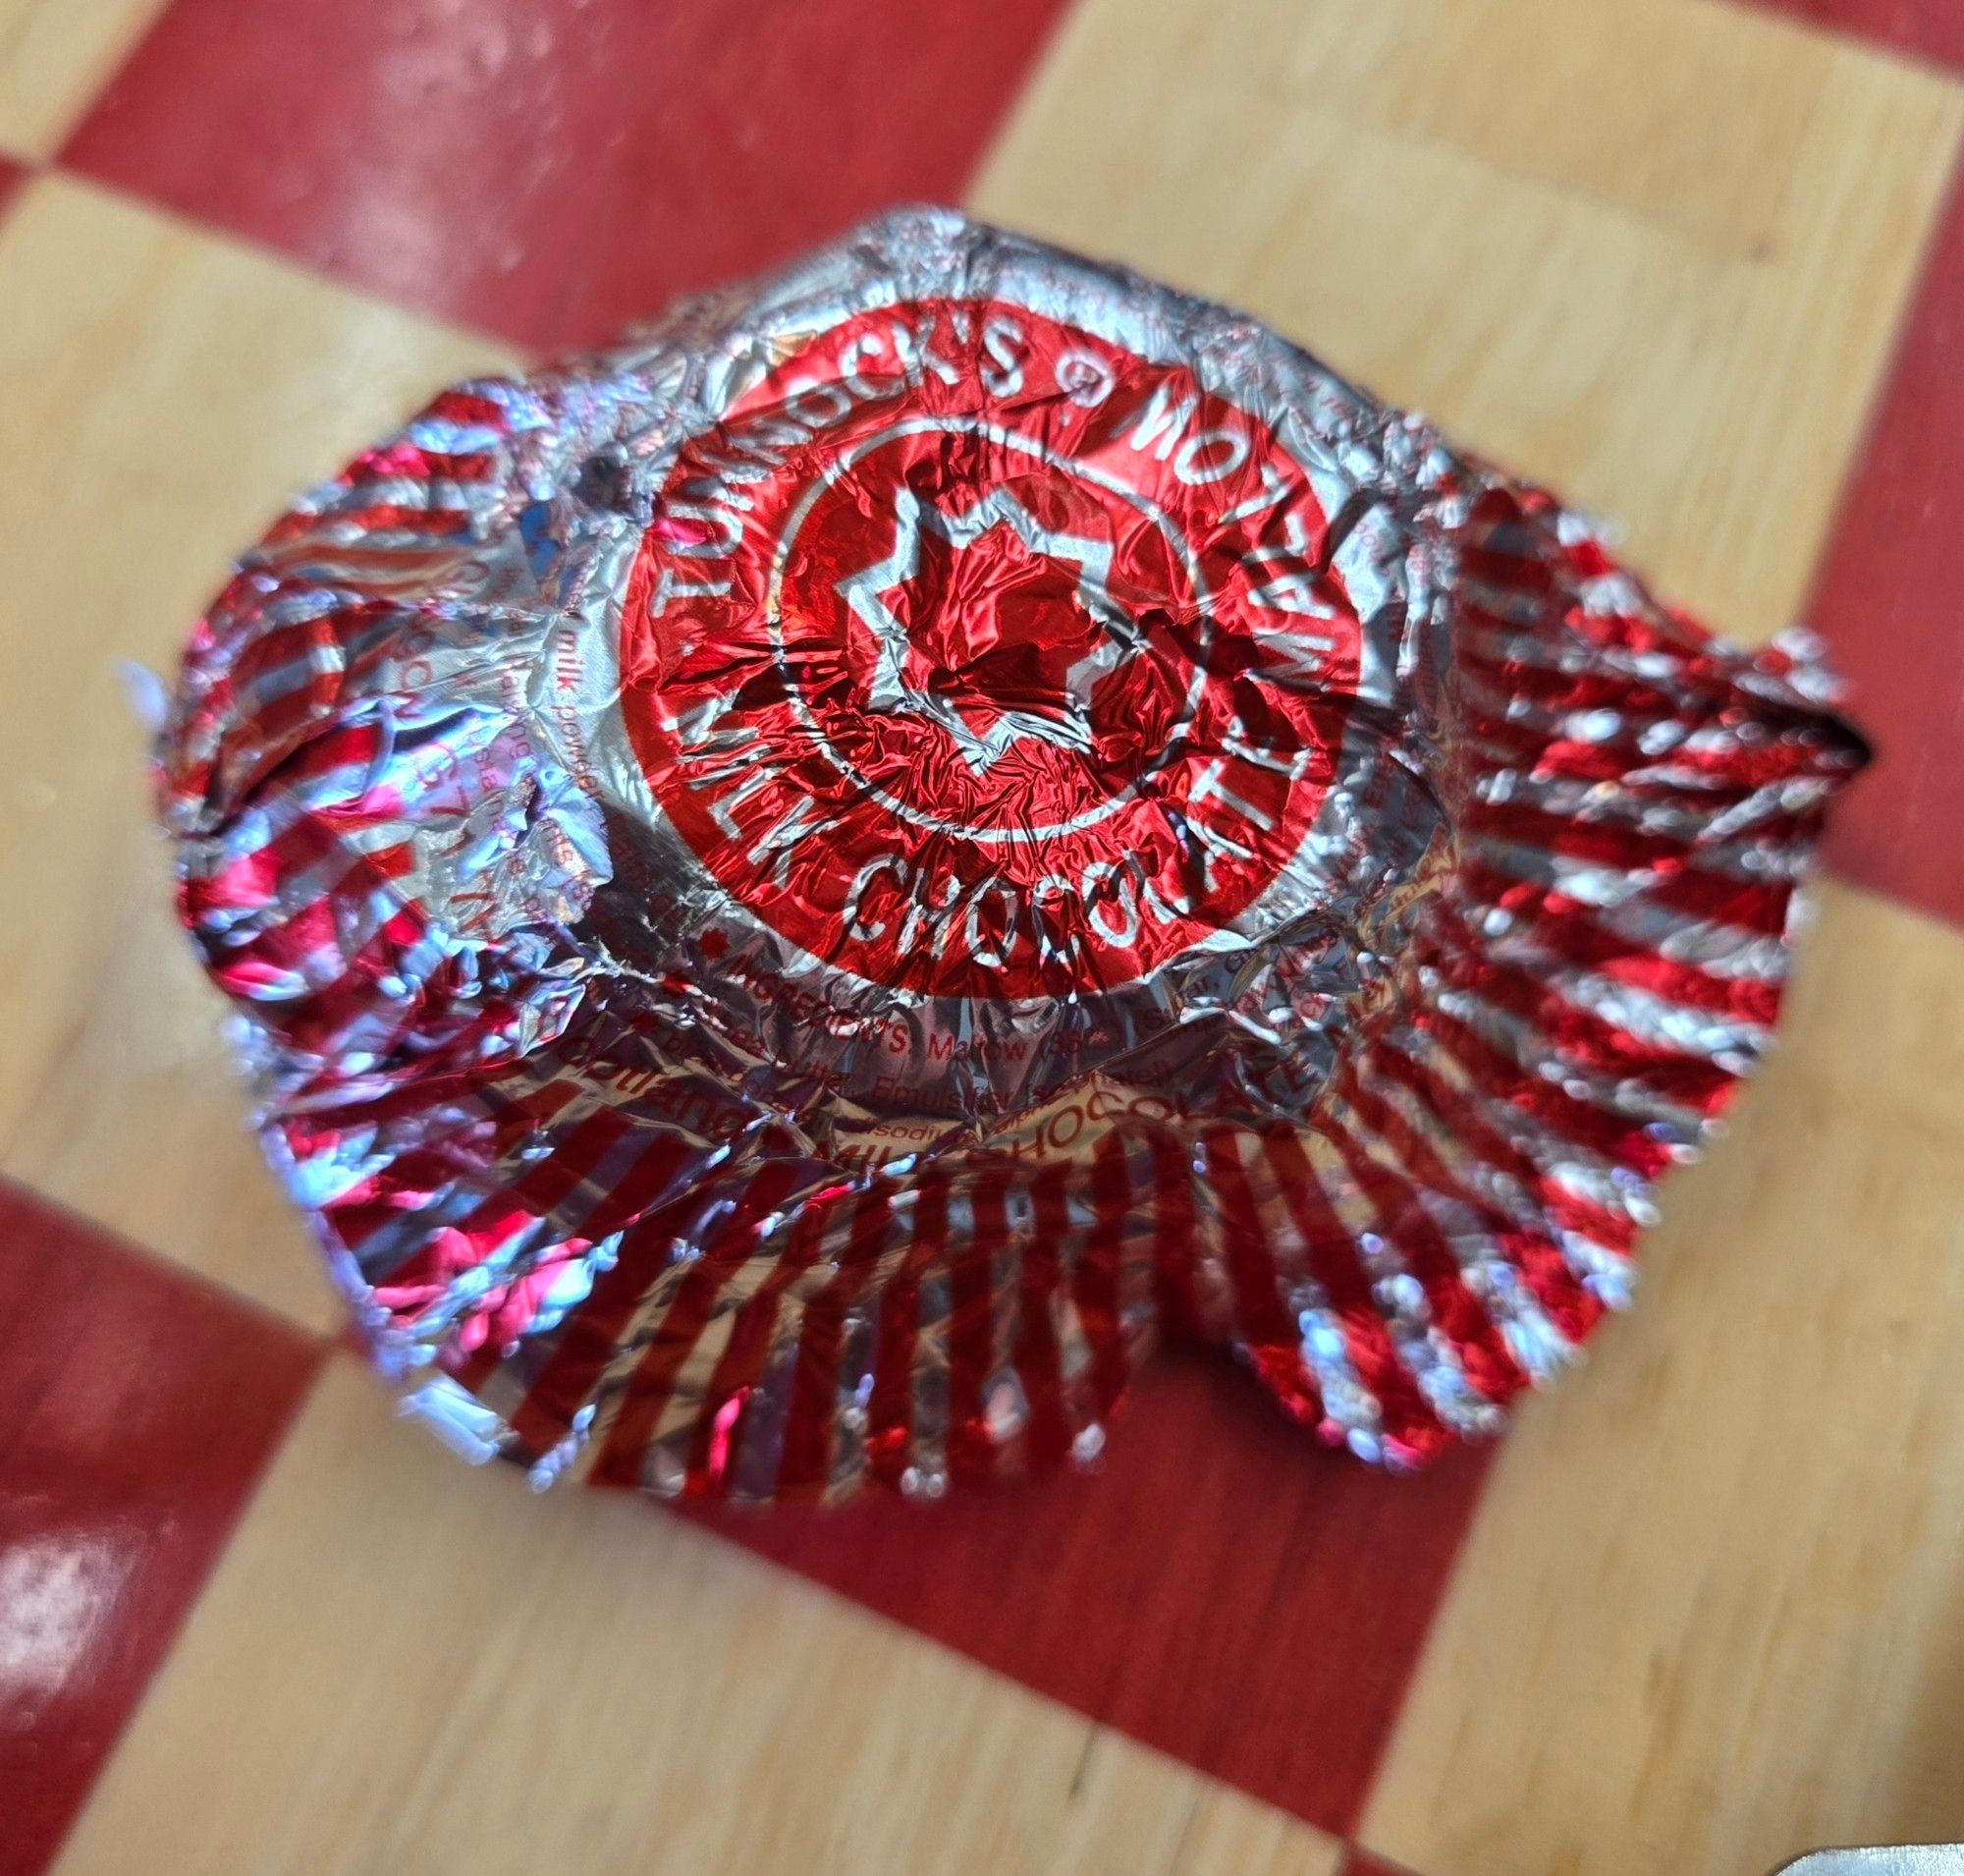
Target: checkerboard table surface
{"x":1698,"y":265}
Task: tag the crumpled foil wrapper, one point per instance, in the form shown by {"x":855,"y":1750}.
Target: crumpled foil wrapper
{"x":802,"y":891}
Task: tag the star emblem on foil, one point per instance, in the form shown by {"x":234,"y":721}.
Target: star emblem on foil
{"x":894,"y":688}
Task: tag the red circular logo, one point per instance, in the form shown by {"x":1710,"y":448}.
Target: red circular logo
{"x":978,"y":656}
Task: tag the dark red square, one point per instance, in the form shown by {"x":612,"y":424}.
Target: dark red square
{"x":12,"y":176}
{"x":1224,"y":1589}
{"x":1887,"y":601}
{"x":553,"y":169}
{"x":138,"y":1409}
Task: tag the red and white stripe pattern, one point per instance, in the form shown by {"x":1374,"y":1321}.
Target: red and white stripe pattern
{"x":570,"y":1276}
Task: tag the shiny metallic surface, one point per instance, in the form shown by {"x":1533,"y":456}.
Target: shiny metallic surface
{"x":802,"y":891}
{"x":1899,"y":1860}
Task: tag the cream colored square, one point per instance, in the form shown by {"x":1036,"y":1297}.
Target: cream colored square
{"x":1652,"y":255}
{"x":1712,"y":1609}
{"x":1642,"y":106}
{"x":162,"y":391}
{"x":405,"y":1664}
{"x":55,"y":56}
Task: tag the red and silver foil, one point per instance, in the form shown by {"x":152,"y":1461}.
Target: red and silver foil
{"x":804,"y":891}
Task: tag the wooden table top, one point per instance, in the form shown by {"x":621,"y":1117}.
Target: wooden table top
{"x":1698,"y":265}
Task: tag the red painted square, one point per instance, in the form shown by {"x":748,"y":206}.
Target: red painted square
{"x":12,"y":176}
{"x":1891,"y":601}
{"x":138,"y":1409}
{"x":1223,"y":1591}
{"x":552,"y":169}
{"x":1931,"y":30}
